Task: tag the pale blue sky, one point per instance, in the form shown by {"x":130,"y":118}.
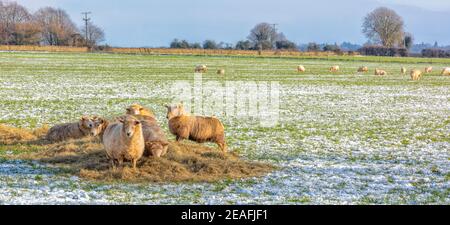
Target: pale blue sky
{"x":154,"y":23}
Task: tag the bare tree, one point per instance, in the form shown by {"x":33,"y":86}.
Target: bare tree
{"x":384,"y":26}
{"x":14,"y":23}
{"x":94,"y":33}
{"x":263,"y":36}
{"x":56,"y":26}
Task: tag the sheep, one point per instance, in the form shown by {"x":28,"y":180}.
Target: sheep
{"x":124,"y":140}
{"x":301,"y":68}
{"x":416,"y":74}
{"x":428,"y":69}
{"x":136,"y":109}
{"x":100,"y":125}
{"x":363,"y":69}
{"x":195,"y":128}
{"x":334,"y":69}
{"x":201,"y":69}
{"x":380,"y":72}
{"x":156,"y":143}
{"x":221,"y":71}
{"x":403,"y":70}
{"x":445,"y":71}
{"x":61,"y":132}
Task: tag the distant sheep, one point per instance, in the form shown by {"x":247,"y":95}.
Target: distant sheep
{"x":61,"y":132}
{"x":301,"y":68}
{"x":416,"y":74}
{"x":363,"y":69}
{"x":221,"y":71}
{"x":124,"y":140}
{"x":136,"y":109}
{"x":380,"y":72}
{"x":334,"y":69}
{"x":403,"y":70}
{"x":201,"y":69}
{"x":445,"y":71}
{"x":428,"y":69}
{"x":196,"y":128}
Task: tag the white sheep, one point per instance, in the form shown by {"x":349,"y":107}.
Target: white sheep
{"x":334,"y":69}
{"x":445,"y":71}
{"x":124,"y":140}
{"x":301,"y":68}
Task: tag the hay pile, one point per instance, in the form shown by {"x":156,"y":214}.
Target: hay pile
{"x":185,"y":161}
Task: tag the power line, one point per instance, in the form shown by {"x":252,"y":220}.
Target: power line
{"x":86,"y":20}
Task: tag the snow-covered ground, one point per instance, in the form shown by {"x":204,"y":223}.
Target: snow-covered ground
{"x":341,"y":139}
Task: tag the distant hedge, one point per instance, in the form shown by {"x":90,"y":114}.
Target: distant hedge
{"x":435,"y":53}
{"x":383,"y":51}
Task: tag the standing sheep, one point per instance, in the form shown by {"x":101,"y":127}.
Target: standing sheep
{"x":301,"y":68}
{"x":196,"y":128}
{"x":380,"y":72}
{"x":428,"y":69}
{"x":124,"y":140}
{"x":416,"y":74}
{"x":334,"y":69}
{"x":221,"y":71}
{"x":403,"y":70}
{"x":61,"y":132}
{"x":201,"y":69}
{"x":445,"y":71}
{"x":136,"y":109}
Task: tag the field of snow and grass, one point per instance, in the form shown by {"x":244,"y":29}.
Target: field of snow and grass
{"x":342,"y":138}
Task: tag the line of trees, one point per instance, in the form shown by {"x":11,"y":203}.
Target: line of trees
{"x":46,"y":26}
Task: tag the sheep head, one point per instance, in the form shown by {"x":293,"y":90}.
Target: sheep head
{"x":175,"y":110}
{"x":130,"y":125}
{"x":135,"y":109}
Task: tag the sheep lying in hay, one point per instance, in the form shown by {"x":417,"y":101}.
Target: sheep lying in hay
{"x":86,"y":158}
{"x":334,"y":69}
{"x":201,"y":69}
{"x":100,"y":125}
{"x":61,"y":132}
{"x":445,"y":71}
{"x":221,"y":71}
{"x":363,"y":69}
{"x":301,"y":68}
{"x":124,"y":140}
{"x":195,"y":128}
{"x":428,"y":69}
{"x":136,"y":109}
{"x":380,"y":72}
{"x":416,"y":74}
{"x":403,"y":70}
{"x":154,"y":137}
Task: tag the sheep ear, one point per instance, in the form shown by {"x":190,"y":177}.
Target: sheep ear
{"x":84,"y":118}
{"x":120,"y":119}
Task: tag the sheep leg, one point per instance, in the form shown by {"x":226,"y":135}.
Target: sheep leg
{"x":222,"y":146}
{"x":113,"y":164}
{"x":133,"y":161}
{"x":179,"y":138}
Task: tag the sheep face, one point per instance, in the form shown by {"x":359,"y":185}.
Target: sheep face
{"x":174,"y":111}
{"x":130,"y":125}
{"x":135,"y":109}
{"x":86,"y":123}
{"x":98,"y":126}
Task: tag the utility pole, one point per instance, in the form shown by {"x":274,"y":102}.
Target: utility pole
{"x":86,"y":20}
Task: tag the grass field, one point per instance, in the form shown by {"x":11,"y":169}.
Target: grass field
{"x":342,"y":138}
